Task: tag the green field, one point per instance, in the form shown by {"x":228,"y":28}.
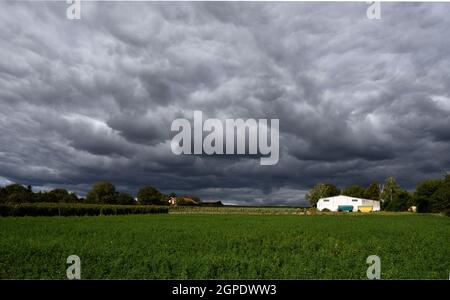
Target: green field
{"x":226,"y":246}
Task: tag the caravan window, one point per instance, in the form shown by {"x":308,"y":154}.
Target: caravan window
{"x":355,"y":200}
{"x":326,"y":200}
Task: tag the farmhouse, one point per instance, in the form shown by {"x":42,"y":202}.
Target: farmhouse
{"x":172,"y":201}
{"x":185,"y":200}
{"x":346,"y":203}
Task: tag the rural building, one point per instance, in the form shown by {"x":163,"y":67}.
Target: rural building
{"x":412,"y":209}
{"x":173,"y":201}
{"x":185,"y":200}
{"x":346,"y":203}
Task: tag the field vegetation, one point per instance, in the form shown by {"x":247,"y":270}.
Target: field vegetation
{"x":76,"y":209}
{"x":227,"y":246}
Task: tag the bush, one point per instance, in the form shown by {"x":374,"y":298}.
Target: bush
{"x":60,"y":209}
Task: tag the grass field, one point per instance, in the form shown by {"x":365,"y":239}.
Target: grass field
{"x":232,"y":246}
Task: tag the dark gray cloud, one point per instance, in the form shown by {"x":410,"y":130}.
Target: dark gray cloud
{"x":358,"y":100}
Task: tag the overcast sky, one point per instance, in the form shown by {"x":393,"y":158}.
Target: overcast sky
{"x":357,"y":99}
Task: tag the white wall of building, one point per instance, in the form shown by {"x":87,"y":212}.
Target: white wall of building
{"x":332,"y":203}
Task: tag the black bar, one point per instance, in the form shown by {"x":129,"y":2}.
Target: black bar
{"x":126,"y":289}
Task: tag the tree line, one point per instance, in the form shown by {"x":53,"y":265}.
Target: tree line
{"x":431,"y":195}
{"x":102,"y":192}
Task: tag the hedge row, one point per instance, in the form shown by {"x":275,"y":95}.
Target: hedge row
{"x":66,"y":209}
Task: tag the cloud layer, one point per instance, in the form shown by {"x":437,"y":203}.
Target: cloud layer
{"x":358,"y":100}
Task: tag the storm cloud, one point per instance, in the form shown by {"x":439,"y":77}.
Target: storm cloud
{"x":93,"y":99}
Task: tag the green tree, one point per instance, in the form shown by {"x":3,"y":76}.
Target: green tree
{"x":124,"y":199}
{"x":47,"y":197}
{"x":425,"y":194}
{"x":354,"y":191}
{"x":102,"y":192}
{"x":17,"y":198}
{"x":39,"y":197}
{"x":150,"y":195}
{"x":17,"y":193}
{"x":441,"y":199}
{"x":395,"y":198}
{"x":390,"y":192}
{"x":321,"y":190}
{"x":16,"y":188}
{"x":61,"y":195}
{"x":2,"y":195}
{"x":373,"y":191}
{"x":401,"y":202}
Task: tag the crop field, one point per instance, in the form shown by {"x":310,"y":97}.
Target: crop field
{"x":226,"y":246}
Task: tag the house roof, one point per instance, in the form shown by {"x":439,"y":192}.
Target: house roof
{"x":349,"y":197}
